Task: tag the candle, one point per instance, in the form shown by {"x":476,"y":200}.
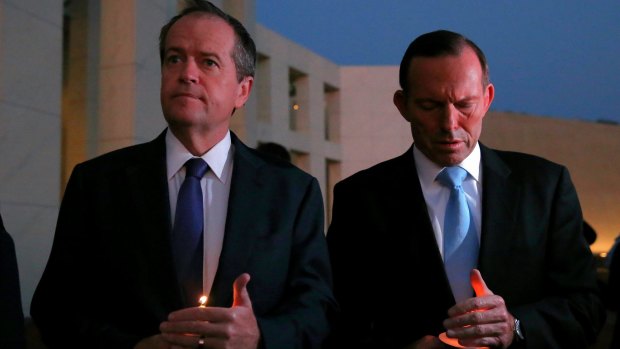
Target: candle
{"x":453,"y":342}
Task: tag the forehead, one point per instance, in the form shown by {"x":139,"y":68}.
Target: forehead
{"x":201,"y":29}
{"x":460,"y":68}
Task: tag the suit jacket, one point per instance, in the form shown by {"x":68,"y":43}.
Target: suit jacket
{"x":388,"y":272}
{"x":613,"y":293}
{"x":11,"y":315}
{"x":110,"y":279}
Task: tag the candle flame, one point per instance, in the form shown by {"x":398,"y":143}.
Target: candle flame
{"x":202,"y":301}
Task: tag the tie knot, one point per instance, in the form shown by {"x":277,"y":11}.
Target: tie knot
{"x":196,"y":167}
{"x":452,"y":176}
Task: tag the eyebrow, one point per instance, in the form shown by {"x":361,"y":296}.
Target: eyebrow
{"x":202,"y":53}
{"x":433,"y":100}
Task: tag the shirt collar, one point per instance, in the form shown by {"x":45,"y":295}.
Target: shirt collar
{"x":177,"y":155}
{"x":428,"y":170}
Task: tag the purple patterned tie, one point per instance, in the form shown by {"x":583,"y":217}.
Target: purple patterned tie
{"x":187,"y":233}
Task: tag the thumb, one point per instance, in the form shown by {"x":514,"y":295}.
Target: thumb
{"x":480,"y":287}
{"x":241,"y":297}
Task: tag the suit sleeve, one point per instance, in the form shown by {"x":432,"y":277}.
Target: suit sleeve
{"x":570,"y":313}
{"x":69,"y":302}
{"x":352,"y":323}
{"x":300,"y":320}
{"x":11,"y":316}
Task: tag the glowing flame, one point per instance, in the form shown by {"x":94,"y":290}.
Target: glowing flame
{"x":202,"y":302}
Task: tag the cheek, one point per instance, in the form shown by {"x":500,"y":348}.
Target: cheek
{"x":473,"y":127}
{"x":425,"y":124}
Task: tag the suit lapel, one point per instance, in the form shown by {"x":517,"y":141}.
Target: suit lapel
{"x":501,"y":195}
{"x":242,"y":219}
{"x":417,"y":245}
{"x":148,"y":189}
{"x":410,"y":201}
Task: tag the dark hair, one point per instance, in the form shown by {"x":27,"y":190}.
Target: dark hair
{"x":244,"y":52}
{"x":274,"y":149}
{"x":589,"y":233}
{"x":436,"y":44}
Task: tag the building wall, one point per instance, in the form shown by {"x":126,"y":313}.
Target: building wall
{"x":372,"y":129}
{"x":280,"y":61}
{"x":30,"y":129}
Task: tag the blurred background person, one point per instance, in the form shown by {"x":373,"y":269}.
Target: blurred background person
{"x":11,"y":314}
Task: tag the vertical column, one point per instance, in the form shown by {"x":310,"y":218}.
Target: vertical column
{"x":244,"y":122}
{"x":150,"y":16}
{"x":129,"y":71}
{"x":30,"y":94}
{"x":318,"y":165}
{"x":117,"y":75}
{"x":75,"y":125}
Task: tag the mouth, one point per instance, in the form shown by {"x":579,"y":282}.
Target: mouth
{"x":184,"y":95}
{"x":449,"y":144}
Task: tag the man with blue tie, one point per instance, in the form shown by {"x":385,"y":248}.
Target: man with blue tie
{"x":145,"y":230}
{"x":413,"y":237}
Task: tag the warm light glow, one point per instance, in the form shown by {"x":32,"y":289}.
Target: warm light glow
{"x":295,"y":106}
{"x":453,"y":342}
{"x":202,"y":302}
{"x":603,"y":254}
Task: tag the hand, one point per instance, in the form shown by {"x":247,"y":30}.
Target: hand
{"x":482,"y":321}
{"x":233,"y":327}
{"x":153,"y":342}
{"x":428,"y":342}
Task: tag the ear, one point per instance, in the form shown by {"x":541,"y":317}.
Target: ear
{"x":400,"y":101}
{"x":243,"y":91}
{"x":489,"y":93}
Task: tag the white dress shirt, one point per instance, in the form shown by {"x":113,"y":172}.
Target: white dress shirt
{"x":437,"y":195}
{"x":215,"y":191}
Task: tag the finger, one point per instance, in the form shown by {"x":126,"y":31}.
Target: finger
{"x":241,"y":297}
{"x":188,"y":314}
{"x":182,"y":327}
{"x":478,"y":284}
{"x":181,"y":341}
{"x":493,"y":315}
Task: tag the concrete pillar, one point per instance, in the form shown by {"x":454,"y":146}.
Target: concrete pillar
{"x":30,"y":128}
{"x":128,"y":90}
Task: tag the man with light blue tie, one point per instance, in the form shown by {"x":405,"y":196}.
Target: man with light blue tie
{"x":413,"y":237}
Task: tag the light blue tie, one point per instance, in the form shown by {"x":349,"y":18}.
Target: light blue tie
{"x":187,"y":232}
{"x":460,"y":240}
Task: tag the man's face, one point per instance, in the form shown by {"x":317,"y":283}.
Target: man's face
{"x":445,"y":104}
{"x":199,"y":87}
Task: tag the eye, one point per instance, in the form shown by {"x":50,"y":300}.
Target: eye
{"x":209,"y":62}
{"x":173,"y":58}
{"x":465,"y":106}
{"x":428,"y":105}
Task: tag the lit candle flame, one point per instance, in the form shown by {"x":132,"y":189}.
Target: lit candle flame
{"x":202,"y":302}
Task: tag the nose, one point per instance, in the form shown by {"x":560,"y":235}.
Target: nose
{"x":450,"y":116}
{"x":189,"y":72}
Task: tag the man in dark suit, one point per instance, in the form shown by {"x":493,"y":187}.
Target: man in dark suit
{"x":111,"y":280}
{"x":11,"y":315}
{"x":537,"y":287}
{"x":613,"y":289}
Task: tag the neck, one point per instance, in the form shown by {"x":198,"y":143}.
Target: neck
{"x":196,"y":142}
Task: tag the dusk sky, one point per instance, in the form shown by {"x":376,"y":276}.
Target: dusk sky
{"x":550,"y":58}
